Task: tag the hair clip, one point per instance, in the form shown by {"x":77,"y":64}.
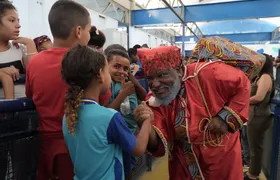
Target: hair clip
{"x":97,"y":32}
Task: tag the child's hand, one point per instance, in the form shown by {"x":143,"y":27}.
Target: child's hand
{"x":22,"y":40}
{"x":127,"y":88}
{"x":143,"y":113}
{"x":11,"y":71}
{"x":130,"y":76}
{"x":132,"y":66}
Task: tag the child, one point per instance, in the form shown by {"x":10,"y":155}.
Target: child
{"x":113,"y":47}
{"x":43,"y":43}
{"x":119,"y":69}
{"x":70,"y":25}
{"x":135,"y":63}
{"x":140,"y":91}
{"x":14,"y":56}
{"x":95,"y":135}
{"x":97,"y":39}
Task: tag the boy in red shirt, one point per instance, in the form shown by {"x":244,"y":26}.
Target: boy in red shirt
{"x":70,"y":25}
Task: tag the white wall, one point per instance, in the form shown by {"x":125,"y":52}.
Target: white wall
{"x":101,"y":21}
{"x":34,"y":17}
{"x":137,"y":36}
{"x":34,"y":21}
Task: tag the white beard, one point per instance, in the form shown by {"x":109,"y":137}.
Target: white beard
{"x":174,"y":90}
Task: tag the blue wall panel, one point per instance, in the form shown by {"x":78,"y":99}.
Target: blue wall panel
{"x":232,"y":10}
{"x":154,"y":16}
{"x":210,"y":12}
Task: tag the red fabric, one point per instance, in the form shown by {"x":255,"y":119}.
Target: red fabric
{"x":160,"y":58}
{"x":222,"y":85}
{"x":44,"y":84}
{"x":105,"y":97}
{"x":53,"y":152}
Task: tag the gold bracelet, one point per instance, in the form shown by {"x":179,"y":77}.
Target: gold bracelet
{"x":30,"y":54}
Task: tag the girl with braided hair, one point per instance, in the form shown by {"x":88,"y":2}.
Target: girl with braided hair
{"x":95,"y":135}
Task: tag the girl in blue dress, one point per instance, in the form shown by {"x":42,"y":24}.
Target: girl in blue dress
{"x":95,"y":135}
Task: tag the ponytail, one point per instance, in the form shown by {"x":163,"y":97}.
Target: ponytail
{"x":72,"y":104}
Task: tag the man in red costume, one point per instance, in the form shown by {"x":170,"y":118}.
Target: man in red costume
{"x":198,"y":111}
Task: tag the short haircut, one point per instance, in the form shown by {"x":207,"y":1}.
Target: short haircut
{"x":4,"y":6}
{"x":97,"y":37}
{"x":116,"y":52}
{"x":132,"y":52}
{"x":136,"y":46}
{"x":145,"y":46}
{"x":64,"y":16}
{"x":113,"y":47}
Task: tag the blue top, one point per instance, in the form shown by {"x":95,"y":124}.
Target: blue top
{"x":129,"y":118}
{"x":96,"y":148}
{"x":140,"y":72}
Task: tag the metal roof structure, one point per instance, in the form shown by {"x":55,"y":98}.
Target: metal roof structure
{"x":240,"y":20}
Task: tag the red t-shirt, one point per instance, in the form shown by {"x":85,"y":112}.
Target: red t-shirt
{"x":44,"y":84}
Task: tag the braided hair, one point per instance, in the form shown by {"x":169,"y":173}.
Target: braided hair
{"x":80,"y":66}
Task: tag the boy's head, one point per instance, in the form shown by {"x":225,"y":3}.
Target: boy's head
{"x":97,"y":39}
{"x":9,"y":21}
{"x":43,"y":43}
{"x":113,"y":47}
{"x":133,"y":55}
{"x":136,"y":46}
{"x":119,"y":65}
{"x":85,"y":67}
{"x":70,"y":21}
{"x":145,"y":46}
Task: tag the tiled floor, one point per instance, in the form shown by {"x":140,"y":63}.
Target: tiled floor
{"x":160,"y":171}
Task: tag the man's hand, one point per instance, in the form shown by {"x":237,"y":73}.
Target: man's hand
{"x":218,"y":126}
{"x":143,"y":113}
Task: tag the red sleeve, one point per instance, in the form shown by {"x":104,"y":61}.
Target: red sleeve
{"x":28,"y":89}
{"x":105,"y":97}
{"x":235,"y":87}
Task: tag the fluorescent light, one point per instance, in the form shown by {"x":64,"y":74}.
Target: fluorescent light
{"x":186,"y":42}
{"x":158,"y":27}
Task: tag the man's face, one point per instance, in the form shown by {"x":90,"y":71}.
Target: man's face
{"x":165,"y":85}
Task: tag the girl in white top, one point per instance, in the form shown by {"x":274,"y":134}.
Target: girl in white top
{"x":14,"y":55}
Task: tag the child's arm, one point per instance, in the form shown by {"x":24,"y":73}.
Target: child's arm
{"x":8,"y":85}
{"x":140,"y":91}
{"x":126,"y":90}
{"x":30,"y":48}
{"x":142,"y":139}
{"x":118,"y":133}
